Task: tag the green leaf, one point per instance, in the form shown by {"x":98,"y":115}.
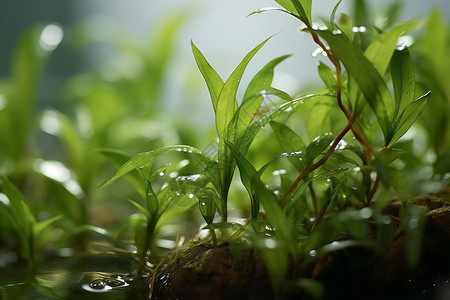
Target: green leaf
{"x":403,"y":79}
{"x":152,"y":202}
{"x":346,"y":25}
{"x":288,"y":5}
{"x":119,"y":158}
{"x":255,"y":128}
{"x":300,"y":8}
{"x":333,"y":15}
{"x":141,"y":208}
{"x":288,"y":139}
{"x":366,"y":76}
{"x":207,"y":200}
{"x":317,"y":146}
{"x":248,"y":114}
{"x":276,"y":260}
{"x":260,"y":194}
{"x":26,"y":69}
{"x":66,"y":130}
{"x":319,"y":115}
{"x":381,"y":49}
{"x":142,"y":160}
{"x":226,"y":103}
{"x":39,"y":227}
{"x":327,"y":75}
{"x":263,"y":79}
{"x":361,"y":13}
{"x":254,"y":94}
{"x":434,"y":49}
{"x":226,"y":108}
{"x":94,"y":229}
{"x":146,"y":159}
{"x":389,"y":155}
{"x":178,"y":204}
{"x":289,"y":142}
{"x":413,"y":223}
{"x":225,"y":225}
{"x":408,"y":117}
{"x":212,"y":79}
{"x":20,"y":215}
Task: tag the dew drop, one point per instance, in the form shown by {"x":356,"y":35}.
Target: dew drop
{"x":97,"y":284}
{"x":413,"y":223}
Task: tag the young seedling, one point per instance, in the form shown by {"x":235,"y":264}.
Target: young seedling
{"x":32,"y":234}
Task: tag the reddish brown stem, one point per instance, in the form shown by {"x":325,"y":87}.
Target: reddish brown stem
{"x":346,"y":111}
{"x":323,"y":210}
{"x":373,"y":190}
{"x":313,"y":167}
{"x":349,"y":126}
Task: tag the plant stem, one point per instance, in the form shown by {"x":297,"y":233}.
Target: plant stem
{"x":146,"y":247}
{"x":373,"y":190}
{"x":322,"y":211}
{"x":313,"y":167}
{"x":224,"y":201}
{"x":347,"y":112}
{"x":313,"y":198}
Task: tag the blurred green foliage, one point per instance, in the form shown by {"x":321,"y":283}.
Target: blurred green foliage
{"x":372,"y":133}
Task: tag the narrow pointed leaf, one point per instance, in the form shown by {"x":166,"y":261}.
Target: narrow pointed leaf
{"x":226,"y":109}
{"x":317,"y":146}
{"x":250,"y":111}
{"x":141,"y":160}
{"x":289,"y":142}
{"x":177,"y":205}
{"x":255,"y":128}
{"x":19,"y":211}
{"x":408,"y":117}
{"x":152,"y":202}
{"x":39,"y":227}
{"x":328,"y":76}
{"x":207,"y":200}
{"x":300,"y":8}
{"x":388,"y":155}
{"x":403,"y":79}
{"x":333,"y":15}
{"x":146,"y":159}
{"x":141,"y":208}
{"x":255,"y":186}
{"x":380,"y":51}
{"x":288,"y":5}
{"x":212,"y":79}
{"x":262,"y":81}
{"x":366,"y":76}
{"x":226,"y":103}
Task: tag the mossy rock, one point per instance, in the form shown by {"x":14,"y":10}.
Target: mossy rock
{"x":359,"y":273}
{"x":201,"y":271}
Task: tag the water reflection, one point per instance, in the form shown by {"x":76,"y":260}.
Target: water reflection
{"x":103,"y":282}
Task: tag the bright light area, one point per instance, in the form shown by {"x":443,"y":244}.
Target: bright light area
{"x":2,"y":102}
{"x":4,"y":199}
{"x":53,"y":169}
{"x":51,"y":36}
{"x":50,"y":122}
{"x":59,"y":172}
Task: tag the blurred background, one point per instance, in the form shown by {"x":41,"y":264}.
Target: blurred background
{"x":76,"y":76}
{"x":92,"y":29}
